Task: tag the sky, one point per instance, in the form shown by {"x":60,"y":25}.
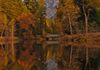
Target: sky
{"x":51,"y":6}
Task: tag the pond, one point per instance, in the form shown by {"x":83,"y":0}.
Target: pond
{"x":35,"y":55}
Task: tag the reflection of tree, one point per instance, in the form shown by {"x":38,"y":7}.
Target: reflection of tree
{"x":10,"y":10}
{"x":29,"y":54}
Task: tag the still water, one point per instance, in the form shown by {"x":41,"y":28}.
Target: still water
{"x":34,"y":55}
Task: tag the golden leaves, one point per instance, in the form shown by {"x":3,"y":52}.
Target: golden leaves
{"x":41,"y":2}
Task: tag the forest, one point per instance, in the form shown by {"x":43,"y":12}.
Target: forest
{"x":49,"y":34}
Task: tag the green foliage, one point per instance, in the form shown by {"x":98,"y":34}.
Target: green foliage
{"x":98,"y":16}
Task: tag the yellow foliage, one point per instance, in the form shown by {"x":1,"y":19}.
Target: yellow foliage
{"x":3,"y":18}
{"x":49,"y":22}
{"x":41,"y":2}
{"x":3,"y":21}
{"x":95,"y":3}
{"x":12,"y":8}
{"x":49,"y":55}
{"x":70,"y":6}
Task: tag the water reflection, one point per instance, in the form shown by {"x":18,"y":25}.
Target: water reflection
{"x":34,"y":55}
{"x":57,"y":56}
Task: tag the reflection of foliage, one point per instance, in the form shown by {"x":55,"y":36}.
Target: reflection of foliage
{"x":29,"y":55}
{"x":28,"y":24}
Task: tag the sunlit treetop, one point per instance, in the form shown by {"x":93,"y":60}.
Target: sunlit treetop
{"x":12,"y":8}
{"x":41,"y":2}
{"x":95,"y":3}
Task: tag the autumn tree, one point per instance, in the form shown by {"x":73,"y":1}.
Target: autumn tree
{"x":95,"y":19}
{"x":37,"y":9}
{"x":86,"y":10}
{"x":69,"y":13}
{"x":11,"y":9}
{"x":3,"y":22}
{"x":25,"y":24}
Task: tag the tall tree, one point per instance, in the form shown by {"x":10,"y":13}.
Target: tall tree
{"x":12,"y":9}
{"x":84,"y":4}
{"x":37,"y":9}
{"x":67,"y":12}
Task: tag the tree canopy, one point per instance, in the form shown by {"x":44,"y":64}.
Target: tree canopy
{"x":12,"y":8}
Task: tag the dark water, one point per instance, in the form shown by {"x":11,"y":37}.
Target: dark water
{"x":35,"y":55}
{"x":56,"y":56}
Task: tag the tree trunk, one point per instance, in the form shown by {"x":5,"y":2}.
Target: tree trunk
{"x":86,"y":31}
{"x":71,"y":32}
{"x":12,"y":44}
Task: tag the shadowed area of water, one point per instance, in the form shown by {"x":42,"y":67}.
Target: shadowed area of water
{"x":34,"y":55}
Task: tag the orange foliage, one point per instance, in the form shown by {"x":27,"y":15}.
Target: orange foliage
{"x":28,"y":57}
{"x":27,"y":60}
{"x":26,"y":19}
